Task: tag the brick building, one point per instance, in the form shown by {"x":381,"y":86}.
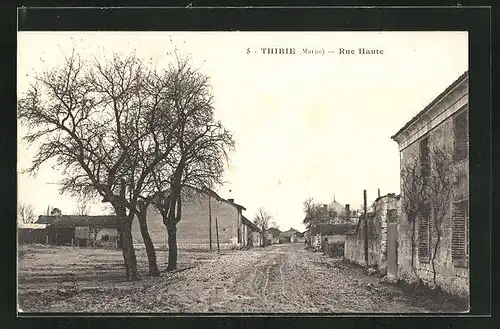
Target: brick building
{"x":199,"y":209}
{"x":443,"y":124}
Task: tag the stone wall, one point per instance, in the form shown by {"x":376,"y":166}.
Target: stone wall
{"x":377,"y":235}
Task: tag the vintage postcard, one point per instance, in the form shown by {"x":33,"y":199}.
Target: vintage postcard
{"x":243,"y":172}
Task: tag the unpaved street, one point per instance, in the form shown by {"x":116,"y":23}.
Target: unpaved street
{"x":281,"y":278}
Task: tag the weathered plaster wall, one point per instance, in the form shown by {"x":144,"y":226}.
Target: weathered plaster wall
{"x":449,"y":277}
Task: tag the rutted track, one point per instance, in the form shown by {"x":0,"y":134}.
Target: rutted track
{"x":276,"y":279}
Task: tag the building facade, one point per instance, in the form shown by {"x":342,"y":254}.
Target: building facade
{"x":206,"y":217}
{"x":442,"y":125}
{"x":82,"y":231}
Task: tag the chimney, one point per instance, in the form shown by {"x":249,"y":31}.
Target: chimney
{"x":348,"y":209}
{"x":379,"y":193}
{"x":230,"y":200}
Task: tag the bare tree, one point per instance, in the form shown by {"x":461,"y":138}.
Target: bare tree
{"x":82,"y":208}
{"x":200,"y":151}
{"x":26,"y":213}
{"x":89,"y":117}
{"x":414,"y":195}
{"x":445,"y":175}
{"x":427,"y":191}
{"x":315,"y":213}
{"x":262,"y":220}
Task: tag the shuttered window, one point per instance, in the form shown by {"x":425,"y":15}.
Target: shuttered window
{"x":424,"y":235}
{"x":460,"y":233}
{"x":425,"y":163}
{"x":460,"y":136}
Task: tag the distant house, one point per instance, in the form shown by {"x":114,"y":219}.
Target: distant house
{"x":76,"y":230}
{"x":326,"y":232}
{"x":290,"y":236}
{"x":253,"y":233}
{"x":442,"y":125}
{"x":272,"y":236}
{"x":201,"y":209}
{"x":32,"y":233}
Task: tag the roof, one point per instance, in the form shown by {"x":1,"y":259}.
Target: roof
{"x":274,"y":231}
{"x":247,"y":222}
{"x":212,"y":193}
{"x":455,"y":83}
{"x":110,"y":221}
{"x":289,"y":232}
{"x":332,"y":229}
{"x":32,"y":226}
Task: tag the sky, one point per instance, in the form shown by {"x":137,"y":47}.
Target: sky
{"x":305,"y":125}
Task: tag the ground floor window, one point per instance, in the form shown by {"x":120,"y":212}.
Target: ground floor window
{"x":460,"y":233}
{"x":424,"y":234}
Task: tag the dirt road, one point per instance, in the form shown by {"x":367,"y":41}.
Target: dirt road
{"x":276,"y":279}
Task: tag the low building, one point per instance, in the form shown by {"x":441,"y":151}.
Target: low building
{"x":82,"y":231}
{"x":253,"y":233}
{"x":323,"y":233}
{"x":272,"y":236}
{"x":441,"y":125}
{"x":32,"y":233}
{"x":203,"y":212}
{"x":290,"y":236}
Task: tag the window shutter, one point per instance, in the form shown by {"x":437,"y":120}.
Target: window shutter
{"x":424,"y":236}
{"x":459,"y":240}
{"x":460,"y":136}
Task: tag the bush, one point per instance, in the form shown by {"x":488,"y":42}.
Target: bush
{"x":335,"y":249}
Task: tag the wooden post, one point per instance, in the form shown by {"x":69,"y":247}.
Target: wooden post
{"x":210,"y":221}
{"x":366,"y":229}
{"x":217,"y":232}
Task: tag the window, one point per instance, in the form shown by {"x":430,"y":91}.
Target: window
{"x":424,"y":234}
{"x":460,"y":233}
{"x":460,"y":136}
{"x":425,"y":158}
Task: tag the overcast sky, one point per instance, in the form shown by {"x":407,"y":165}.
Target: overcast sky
{"x":304,"y":125}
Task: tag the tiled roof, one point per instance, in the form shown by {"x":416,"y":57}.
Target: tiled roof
{"x":77,"y":220}
{"x":247,"y":222}
{"x":431,"y":104}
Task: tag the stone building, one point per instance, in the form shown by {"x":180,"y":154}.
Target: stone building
{"x":443,"y":124}
{"x":201,"y":209}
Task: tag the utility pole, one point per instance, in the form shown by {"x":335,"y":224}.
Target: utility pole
{"x":210,"y":220}
{"x":365,"y":230}
{"x":217,"y":232}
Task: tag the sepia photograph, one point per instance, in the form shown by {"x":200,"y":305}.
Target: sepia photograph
{"x":257,"y":172}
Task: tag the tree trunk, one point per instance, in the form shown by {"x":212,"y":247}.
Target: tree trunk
{"x":148,"y":243}
{"x":128,"y":249}
{"x":436,"y":247}
{"x":172,"y":247}
{"x":413,"y":245}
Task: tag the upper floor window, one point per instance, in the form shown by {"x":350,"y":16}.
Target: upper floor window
{"x":460,"y":136}
{"x":425,"y":158}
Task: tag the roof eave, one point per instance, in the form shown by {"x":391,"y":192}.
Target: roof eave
{"x":435,"y":101}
